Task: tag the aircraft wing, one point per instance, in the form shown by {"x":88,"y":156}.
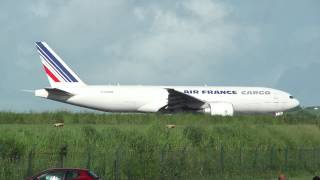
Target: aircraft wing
{"x":180,"y":101}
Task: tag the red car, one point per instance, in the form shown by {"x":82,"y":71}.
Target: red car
{"x":65,"y":174}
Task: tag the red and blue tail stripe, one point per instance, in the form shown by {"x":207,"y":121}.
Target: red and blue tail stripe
{"x":50,"y":74}
{"x":49,"y":69}
{"x":55,"y":70}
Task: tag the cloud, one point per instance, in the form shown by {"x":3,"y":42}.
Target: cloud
{"x":151,"y":37}
{"x":207,"y":10}
{"x":302,"y":82}
{"x":172,"y":40}
{"x":40,"y":9}
{"x":185,"y":42}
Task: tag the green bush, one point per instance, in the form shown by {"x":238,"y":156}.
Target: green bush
{"x":194,"y":134}
{"x":11,"y":149}
{"x":140,"y":146}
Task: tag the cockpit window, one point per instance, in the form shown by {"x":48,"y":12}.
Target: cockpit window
{"x":291,"y":97}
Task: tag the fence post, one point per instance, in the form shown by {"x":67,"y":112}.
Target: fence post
{"x":301,"y":157}
{"x":317,"y":157}
{"x":222,"y":158}
{"x":314,"y":159}
{"x":30,"y":162}
{"x":286,"y":154}
{"x":161,"y":164}
{"x":117,"y":166}
{"x":182,"y":169}
{"x":116,"y":169}
{"x":89,"y":158}
{"x":255,"y":158}
{"x":129,"y":166}
{"x":271,"y":157}
{"x":240,"y":158}
{"x":62,"y":154}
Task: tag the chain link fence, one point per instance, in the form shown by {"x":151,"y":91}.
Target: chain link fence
{"x":170,"y":162}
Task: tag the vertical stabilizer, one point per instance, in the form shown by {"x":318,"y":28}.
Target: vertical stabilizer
{"x":57,"y":71}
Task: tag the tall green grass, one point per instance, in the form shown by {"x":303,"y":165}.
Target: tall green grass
{"x":139,"y":146}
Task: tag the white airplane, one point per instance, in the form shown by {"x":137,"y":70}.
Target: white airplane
{"x":67,"y":87}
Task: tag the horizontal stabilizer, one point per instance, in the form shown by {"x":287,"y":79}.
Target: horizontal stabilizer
{"x":58,"y":92}
{"x":54,"y":94}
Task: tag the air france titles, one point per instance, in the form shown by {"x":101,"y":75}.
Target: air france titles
{"x":255,"y":92}
{"x":226,"y":92}
{"x":209,"y":92}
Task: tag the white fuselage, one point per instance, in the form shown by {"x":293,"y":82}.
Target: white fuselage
{"x":67,"y":87}
{"x":252,"y":100}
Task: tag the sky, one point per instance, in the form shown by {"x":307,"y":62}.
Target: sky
{"x":267,"y":43}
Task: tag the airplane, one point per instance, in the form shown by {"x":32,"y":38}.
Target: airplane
{"x":67,"y":87}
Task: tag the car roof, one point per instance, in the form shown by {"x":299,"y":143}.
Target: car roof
{"x":53,"y":169}
{"x":58,"y":169}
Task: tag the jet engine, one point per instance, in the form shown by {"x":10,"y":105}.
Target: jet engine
{"x":219,"y":109}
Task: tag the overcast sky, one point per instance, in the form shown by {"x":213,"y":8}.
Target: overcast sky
{"x":268,"y":43}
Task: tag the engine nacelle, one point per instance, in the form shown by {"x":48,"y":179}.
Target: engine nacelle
{"x":219,"y":109}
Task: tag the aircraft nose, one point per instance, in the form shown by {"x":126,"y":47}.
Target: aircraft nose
{"x":295,"y":103}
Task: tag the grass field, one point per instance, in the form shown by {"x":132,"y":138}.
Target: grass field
{"x":140,"y":146}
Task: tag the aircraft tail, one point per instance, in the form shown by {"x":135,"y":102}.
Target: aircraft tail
{"x":57,"y":71}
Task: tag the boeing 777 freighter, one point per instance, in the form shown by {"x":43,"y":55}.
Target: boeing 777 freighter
{"x":67,"y":87}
